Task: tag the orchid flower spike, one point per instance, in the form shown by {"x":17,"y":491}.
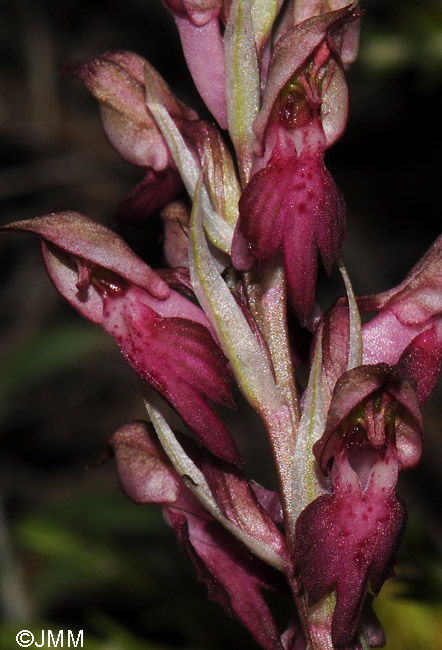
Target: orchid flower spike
{"x":246,"y":214}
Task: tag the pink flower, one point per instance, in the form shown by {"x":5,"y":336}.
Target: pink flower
{"x":165,"y":337}
{"x":406,"y":330}
{"x":233,"y":576}
{"x":291,"y":202}
{"x":116,"y":80}
{"x":350,"y":537}
{"x":408,"y":325}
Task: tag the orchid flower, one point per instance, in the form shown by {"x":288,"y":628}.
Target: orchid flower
{"x":245,"y":213}
{"x":291,"y":202}
{"x":116,"y":80}
{"x":234,"y":577}
{"x":373,"y":430}
{"x":164,"y":336}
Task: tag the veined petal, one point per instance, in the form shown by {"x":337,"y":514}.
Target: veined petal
{"x":80,"y":238}
{"x":179,"y":358}
{"x":263,"y":207}
{"x":166,"y":338}
{"x":116,"y":80}
{"x":350,"y":538}
{"x":293,"y":203}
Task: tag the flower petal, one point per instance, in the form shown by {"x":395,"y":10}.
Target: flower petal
{"x":81,"y":238}
{"x":422,"y":359}
{"x":293,"y":203}
{"x":179,"y":358}
{"x":144,"y":469}
{"x":204,"y":52}
{"x":262,"y":207}
{"x":352,"y":390}
{"x":290,"y":53}
{"x":408,"y":326}
{"x":233,"y":576}
{"x":116,"y":80}
{"x":349,"y":538}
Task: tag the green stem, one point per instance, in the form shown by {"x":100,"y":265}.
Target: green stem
{"x":267,"y":300}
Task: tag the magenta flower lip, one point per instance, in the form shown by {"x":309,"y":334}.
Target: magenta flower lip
{"x":165,"y":338}
{"x":350,"y":538}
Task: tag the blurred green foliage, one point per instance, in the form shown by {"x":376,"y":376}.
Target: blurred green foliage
{"x":47,"y":353}
{"x":408,"y":38}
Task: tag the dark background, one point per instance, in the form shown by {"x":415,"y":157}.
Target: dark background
{"x":75,"y":553}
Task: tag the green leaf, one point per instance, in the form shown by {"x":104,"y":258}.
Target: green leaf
{"x":242,"y":82}
{"x":248,"y":361}
{"x":264,"y":13}
{"x":307,"y":486}
{"x":219,"y":231}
